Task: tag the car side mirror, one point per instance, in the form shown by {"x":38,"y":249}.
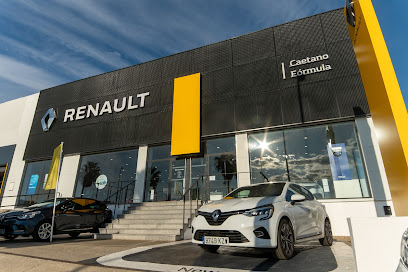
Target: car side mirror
{"x":297,"y":198}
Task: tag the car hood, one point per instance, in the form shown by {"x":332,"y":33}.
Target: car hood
{"x":237,"y":204}
{"x":18,"y":211}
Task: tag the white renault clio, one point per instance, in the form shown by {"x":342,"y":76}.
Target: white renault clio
{"x":267,"y":215}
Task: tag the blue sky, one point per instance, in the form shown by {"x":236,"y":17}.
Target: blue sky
{"x":48,"y":43}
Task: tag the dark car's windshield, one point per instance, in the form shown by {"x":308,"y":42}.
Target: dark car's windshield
{"x":44,"y":204}
{"x":272,"y":189}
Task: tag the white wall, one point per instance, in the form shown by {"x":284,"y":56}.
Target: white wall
{"x":374,"y":165}
{"x":19,"y":116}
{"x":140,"y":175}
{"x":69,"y":169}
{"x":242,"y":155}
{"x":340,"y":210}
{"x":376,"y":242}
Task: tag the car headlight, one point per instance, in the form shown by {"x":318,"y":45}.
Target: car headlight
{"x":404,"y":247}
{"x":264,"y":212}
{"x":28,"y":215}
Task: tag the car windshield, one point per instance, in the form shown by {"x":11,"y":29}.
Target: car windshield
{"x":271,"y":189}
{"x":47,"y":203}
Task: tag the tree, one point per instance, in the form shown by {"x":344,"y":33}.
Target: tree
{"x":92,"y":172}
{"x":227,"y":165}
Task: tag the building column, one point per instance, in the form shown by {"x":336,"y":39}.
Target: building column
{"x":241,"y":146}
{"x":69,"y":170}
{"x":374,"y":165}
{"x":16,"y":172}
{"x":140,"y":175}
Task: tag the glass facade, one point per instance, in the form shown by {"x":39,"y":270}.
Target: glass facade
{"x":164,"y":175}
{"x":218,"y":167}
{"x":108,"y":177}
{"x":325,"y":159}
{"x":32,"y":188}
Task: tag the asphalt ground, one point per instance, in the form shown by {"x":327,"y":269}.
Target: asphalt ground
{"x":87,"y":254}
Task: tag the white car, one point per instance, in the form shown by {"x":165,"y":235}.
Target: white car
{"x":267,"y":215}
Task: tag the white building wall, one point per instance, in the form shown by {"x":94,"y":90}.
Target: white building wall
{"x":242,"y":156}
{"x":140,"y":175}
{"x":19,"y":114}
{"x":374,"y":165}
{"x":69,"y":169}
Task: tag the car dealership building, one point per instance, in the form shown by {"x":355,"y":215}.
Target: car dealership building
{"x":286,"y":103}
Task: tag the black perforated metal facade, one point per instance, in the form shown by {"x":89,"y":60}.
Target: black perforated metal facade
{"x":242,"y":88}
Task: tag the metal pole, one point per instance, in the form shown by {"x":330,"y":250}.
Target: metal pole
{"x":55,"y":194}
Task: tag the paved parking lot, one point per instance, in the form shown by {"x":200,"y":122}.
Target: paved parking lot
{"x":86,"y":254}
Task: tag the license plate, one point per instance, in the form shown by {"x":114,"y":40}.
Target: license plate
{"x":2,"y":231}
{"x":210,"y":240}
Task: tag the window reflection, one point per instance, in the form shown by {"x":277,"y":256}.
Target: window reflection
{"x":325,"y":159}
{"x":32,"y":188}
{"x":268,"y":159}
{"x":165,"y":175}
{"x":108,"y":177}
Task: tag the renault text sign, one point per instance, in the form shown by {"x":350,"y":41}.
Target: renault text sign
{"x":98,"y":109}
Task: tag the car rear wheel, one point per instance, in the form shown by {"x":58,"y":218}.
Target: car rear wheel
{"x":328,"y":235}
{"x":209,"y":248}
{"x":286,"y":241}
{"x":42,"y":231}
{"x":10,"y":236}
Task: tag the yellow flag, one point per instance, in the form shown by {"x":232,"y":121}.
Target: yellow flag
{"x":54,"y":169}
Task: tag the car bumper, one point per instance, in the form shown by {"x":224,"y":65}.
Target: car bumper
{"x":240,"y":230}
{"x":17,"y":227}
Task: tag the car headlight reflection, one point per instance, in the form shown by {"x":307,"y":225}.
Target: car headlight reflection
{"x":28,"y":215}
{"x":263,"y":212}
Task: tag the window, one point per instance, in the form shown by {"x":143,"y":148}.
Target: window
{"x":32,"y":188}
{"x":165,"y":175}
{"x":325,"y":159}
{"x":108,"y":177}
{"x":267,"y":156}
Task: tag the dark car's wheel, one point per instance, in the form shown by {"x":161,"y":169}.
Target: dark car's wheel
{"x":42,"y":231}
{"x":209,"y":248}
{"x":328,"y":235}
{"x":10,"y":236}
{"x":73,"y":234}
{"x":286,"y":241}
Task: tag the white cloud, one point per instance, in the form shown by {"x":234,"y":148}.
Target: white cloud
{"x":32,"y":77}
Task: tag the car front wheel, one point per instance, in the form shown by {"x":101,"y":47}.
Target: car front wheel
{"x":209,"y":248}
{"x":328,"y":235}
{"x":286,"y":241}
{"x":42,"y":231}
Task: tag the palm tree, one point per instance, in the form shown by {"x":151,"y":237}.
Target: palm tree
{"x":92,"y":172}
{"x":227,"y":165}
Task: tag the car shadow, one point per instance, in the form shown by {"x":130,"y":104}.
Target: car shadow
{"x":308,"y":257}
{"x":21,"y":242}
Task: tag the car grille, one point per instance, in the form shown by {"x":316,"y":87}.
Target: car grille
{"x":233,"y":235}
{"x":221,"y":219}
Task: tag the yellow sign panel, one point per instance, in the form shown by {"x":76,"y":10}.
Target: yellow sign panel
{"x":185,"y":137}
{"x":383,"y":95}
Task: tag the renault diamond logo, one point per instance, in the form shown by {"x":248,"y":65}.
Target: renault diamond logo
{"x":48,"y":119}
{"x":215,"y":215}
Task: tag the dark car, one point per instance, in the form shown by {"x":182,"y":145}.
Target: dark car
{"x":72,"y":216}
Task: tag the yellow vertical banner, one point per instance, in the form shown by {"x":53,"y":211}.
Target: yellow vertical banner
{"x":384,"y":97}
{"x":185,"y":137}
{"x":54,"y":169}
